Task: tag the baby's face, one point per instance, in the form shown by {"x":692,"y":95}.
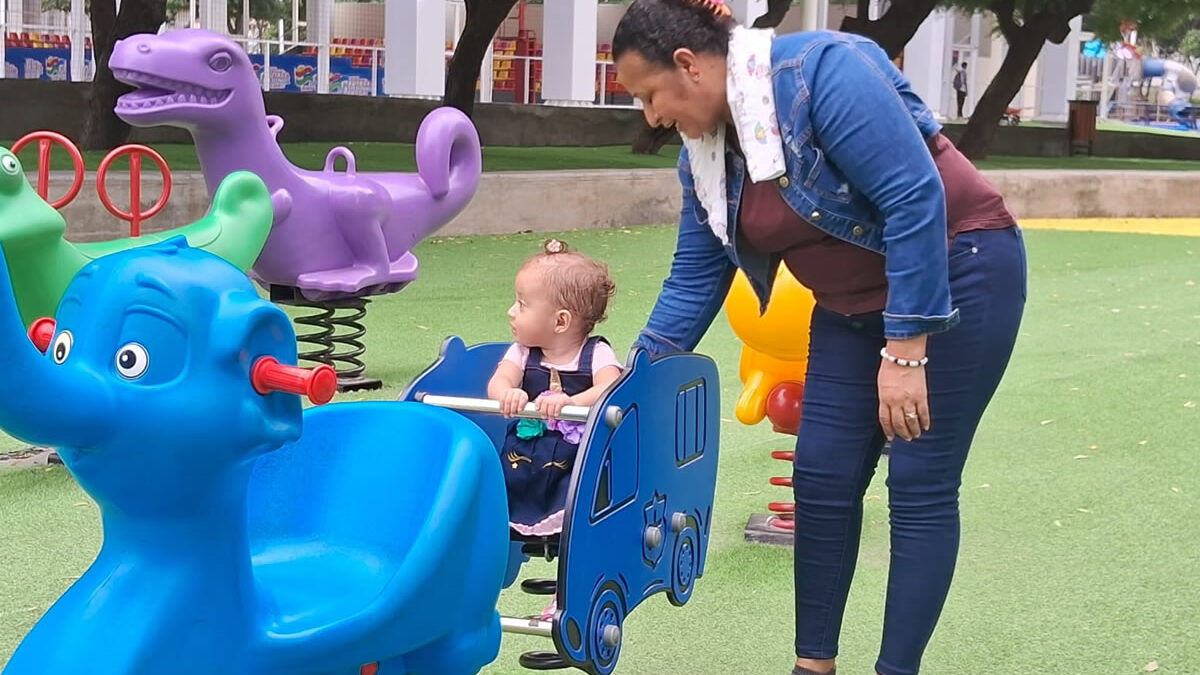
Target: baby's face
{"x":531,"y":316}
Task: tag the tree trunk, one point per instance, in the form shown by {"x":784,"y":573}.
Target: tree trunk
{"x":895,"y":28}
{"x":483,"y":20}
{"x":1023,"y":50}
{"x":650,"y":140}
{"x":103,"y":130}
{"x":1024,"y":44}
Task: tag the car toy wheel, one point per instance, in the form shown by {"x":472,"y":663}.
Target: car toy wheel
{"x":683,"y":566}
{"x":604,"y":630}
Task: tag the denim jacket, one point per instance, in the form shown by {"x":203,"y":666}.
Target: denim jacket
{"x":858,"y":168}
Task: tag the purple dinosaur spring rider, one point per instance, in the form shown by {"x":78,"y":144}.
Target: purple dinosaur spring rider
{"x":344,"y":235}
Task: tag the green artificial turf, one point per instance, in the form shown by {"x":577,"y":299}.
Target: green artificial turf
{"x":1079,"y":503}
{"x":399,"y":157}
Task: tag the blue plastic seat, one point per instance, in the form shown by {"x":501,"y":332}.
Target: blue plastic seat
{"x":384,"y":529}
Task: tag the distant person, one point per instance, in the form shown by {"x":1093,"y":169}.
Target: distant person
{"x":960,"y":87}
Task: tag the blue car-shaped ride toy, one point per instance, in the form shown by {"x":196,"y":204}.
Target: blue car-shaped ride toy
{"x":640,"y":505}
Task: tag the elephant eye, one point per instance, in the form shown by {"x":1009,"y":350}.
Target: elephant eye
{"x":132,"y":361}
{"x":10,"y":164}
{"x":61,"y":348}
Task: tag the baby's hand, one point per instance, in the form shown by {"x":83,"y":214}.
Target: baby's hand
{"x":551,"y":405}
{"x":513,"y":401}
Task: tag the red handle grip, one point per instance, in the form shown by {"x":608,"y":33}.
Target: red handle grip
{"x":41,"y":333}
{"x":318,"y":384}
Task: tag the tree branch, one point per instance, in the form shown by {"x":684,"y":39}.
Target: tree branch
{"x":1004,"y":10}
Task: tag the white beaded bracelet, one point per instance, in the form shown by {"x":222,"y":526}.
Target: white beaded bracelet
{"x":907,"y":363}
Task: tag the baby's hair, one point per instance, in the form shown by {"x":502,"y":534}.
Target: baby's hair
{"x":656,"y":28}
{"x":575,"y":282}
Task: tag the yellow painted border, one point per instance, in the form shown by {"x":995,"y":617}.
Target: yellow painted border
{"x":1183,"y":227}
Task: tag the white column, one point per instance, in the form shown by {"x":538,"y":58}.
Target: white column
{"x":1058,"y":69}
{"x":214,"y":16}
{"x":1106,"y":71}
{"x":569,"y":52}
{"x":813,"y":13}
{"x":77,"y":30}
{"x":414,"y":34}
{"x":3,"y":34}
{"x":487,"y":73}
{"x":927,"y":62}
{"x":320,"y":30}
{"x":747,"y":11}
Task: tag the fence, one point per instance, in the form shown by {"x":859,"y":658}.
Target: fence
{"x":278,"y":44}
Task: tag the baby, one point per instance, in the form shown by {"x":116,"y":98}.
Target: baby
{"x":554,"y":361}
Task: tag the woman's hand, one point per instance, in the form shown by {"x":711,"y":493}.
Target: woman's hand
{"x":903,"y":397}
{"x":551,"y":405}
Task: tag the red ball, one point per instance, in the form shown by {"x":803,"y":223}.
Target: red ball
{"x":784,"y":407}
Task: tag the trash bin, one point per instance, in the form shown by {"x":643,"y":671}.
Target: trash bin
{"x":1081,"y":125}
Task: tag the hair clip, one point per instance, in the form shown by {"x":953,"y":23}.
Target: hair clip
{"x":553,"y":246}
{"x":718,"y":7}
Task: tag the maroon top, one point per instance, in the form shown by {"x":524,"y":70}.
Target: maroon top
{"x":847,"y":278}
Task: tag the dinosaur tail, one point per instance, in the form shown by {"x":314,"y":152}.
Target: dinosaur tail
{"x":449,"y":158}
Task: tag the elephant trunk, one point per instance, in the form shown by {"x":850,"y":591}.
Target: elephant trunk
{"x":42,"y":402}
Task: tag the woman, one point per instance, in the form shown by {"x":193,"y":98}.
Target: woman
{"x":817,"y":154}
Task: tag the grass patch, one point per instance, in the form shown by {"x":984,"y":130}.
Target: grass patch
{"x":1079,"y":503}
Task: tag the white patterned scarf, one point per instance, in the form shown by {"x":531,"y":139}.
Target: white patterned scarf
{"x":752,"y":101}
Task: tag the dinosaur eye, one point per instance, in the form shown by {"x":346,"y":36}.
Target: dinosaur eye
{"x":61,"y":348}
{"x":10,"y":164}
{"x":132,"y":361}
{"x":220,"y":62}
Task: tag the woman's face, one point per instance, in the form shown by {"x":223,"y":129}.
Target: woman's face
{"x":689,"y":96}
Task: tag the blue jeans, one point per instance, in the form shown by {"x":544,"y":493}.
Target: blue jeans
{"x":839,"y":443}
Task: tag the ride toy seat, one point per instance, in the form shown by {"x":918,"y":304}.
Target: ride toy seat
{"x":639,"y":507}
{"x":385,"y":521}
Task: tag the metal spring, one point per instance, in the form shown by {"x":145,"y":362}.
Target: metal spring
{"x":785,"y":512}
{"x":322,"y":322}
{"x":351,"y":339}
{"x":336,"y":324}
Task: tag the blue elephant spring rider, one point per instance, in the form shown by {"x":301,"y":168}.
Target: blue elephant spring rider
{"x":246,"y":535}
{"x":232,"y":544}
{"x":639,"y":506}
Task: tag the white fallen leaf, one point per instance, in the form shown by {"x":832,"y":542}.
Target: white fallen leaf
{"x":1045,"y":422}
{"x":986,"y":485}
{"x":1082,"y":456}
{"x":1151,"y":667}
{"x":1190,"y":404}
{"x":1174,"y":489}
{"x":1143,"y":442}
{"x":1083,"y":510}
{"x":1058,"y":523}
{"x":422,"y":327}
{"x":1093,"y":447}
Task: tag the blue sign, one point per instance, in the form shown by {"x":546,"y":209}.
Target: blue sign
{"x":297,"y":73}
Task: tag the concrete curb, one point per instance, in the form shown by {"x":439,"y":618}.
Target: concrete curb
{"x":547,"y":201}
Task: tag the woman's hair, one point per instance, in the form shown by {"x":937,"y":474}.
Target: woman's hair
{"x":656,"y":28}
{"x":574,"y":282}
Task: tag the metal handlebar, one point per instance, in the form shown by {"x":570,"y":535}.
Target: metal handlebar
{"x":570,"y":413}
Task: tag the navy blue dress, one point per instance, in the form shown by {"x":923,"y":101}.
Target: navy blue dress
{"x":537,"y":471}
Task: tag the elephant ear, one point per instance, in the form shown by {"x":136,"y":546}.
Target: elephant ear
{"x":249,"y":328}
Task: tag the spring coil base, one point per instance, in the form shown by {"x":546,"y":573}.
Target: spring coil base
{"x":334,"y":337}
